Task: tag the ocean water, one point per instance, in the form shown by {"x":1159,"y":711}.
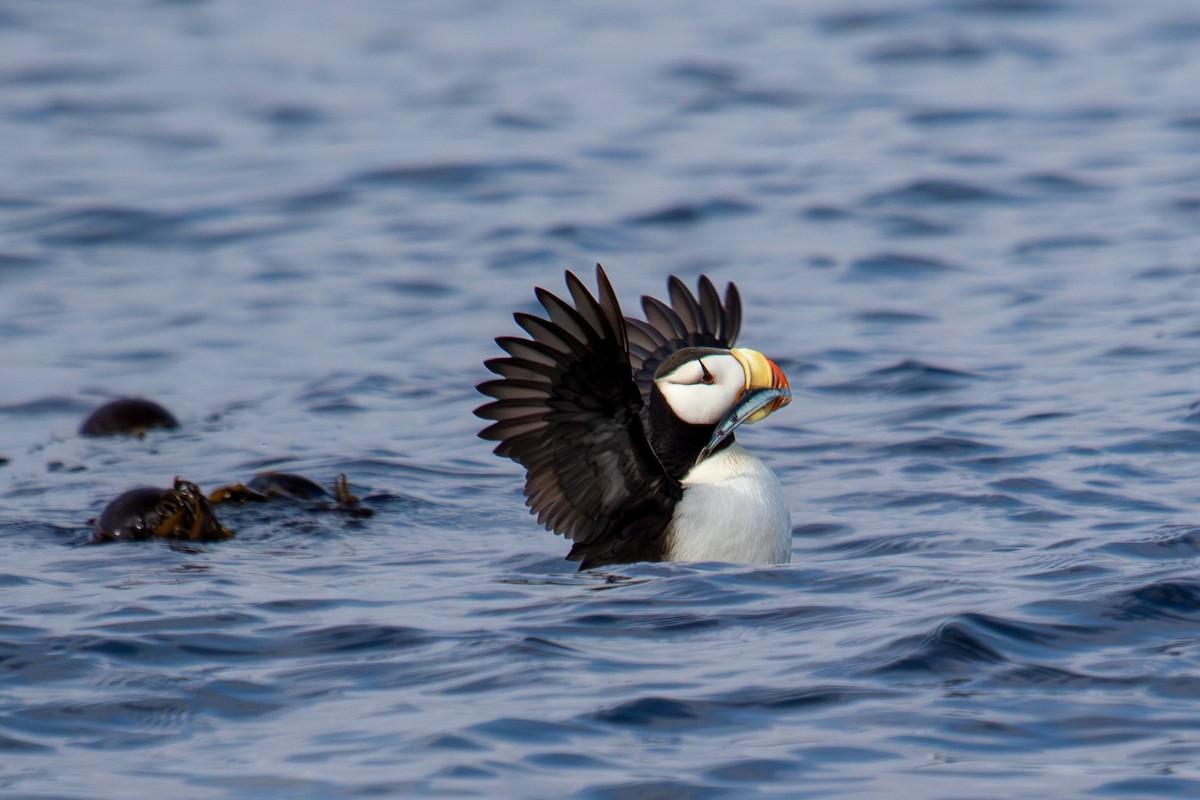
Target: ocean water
{"x":969,"y":230}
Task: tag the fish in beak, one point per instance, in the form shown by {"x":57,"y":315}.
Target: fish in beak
{"x":766,"y":391}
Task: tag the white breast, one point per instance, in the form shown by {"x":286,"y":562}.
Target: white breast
{"x":733,"y":509}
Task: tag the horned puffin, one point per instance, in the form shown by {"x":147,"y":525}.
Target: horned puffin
{"x":625,"y":426}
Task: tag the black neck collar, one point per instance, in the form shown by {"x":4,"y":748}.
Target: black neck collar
{"x":675,"y":442}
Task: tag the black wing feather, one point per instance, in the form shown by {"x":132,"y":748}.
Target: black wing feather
{"x":515,"y":368}
{"x":685,"y":304}
{"x":687,"y":322}
{"x":566,"y":408}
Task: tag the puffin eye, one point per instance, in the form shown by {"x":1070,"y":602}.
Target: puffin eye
{"x":706,"y":377}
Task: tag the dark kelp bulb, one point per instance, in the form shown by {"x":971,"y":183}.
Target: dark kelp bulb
{"x":182,"y":512}
{"x":128,"y":415}
{"x":267,"y":486}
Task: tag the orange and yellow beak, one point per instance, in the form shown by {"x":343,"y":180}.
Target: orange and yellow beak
{"x":766,"y":391}
{"x":762,"y":375}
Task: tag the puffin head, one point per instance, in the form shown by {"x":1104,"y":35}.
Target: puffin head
{"x":721,"y":389}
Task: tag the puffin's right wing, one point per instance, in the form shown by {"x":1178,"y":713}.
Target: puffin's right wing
{"x":566,"y":408}
{"x":687,"y":322}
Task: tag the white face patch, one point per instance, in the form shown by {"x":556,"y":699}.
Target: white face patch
{"x":702,"y":391}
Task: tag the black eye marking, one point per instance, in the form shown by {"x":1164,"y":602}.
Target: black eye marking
{"x":705,"y":376}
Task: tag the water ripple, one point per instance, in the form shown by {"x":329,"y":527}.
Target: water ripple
{"x":936,"y":191}
{"x":896,"y":266}
{"x":690,"y":213}
{"x":909,"y":377}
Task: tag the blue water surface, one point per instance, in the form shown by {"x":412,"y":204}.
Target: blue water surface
{"x":969,"y":230}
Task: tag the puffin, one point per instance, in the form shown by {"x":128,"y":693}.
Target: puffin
{"x":625,"y":426}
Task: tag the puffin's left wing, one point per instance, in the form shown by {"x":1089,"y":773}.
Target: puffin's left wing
{"x":566,"y":408}
{"x":689,"y":321}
